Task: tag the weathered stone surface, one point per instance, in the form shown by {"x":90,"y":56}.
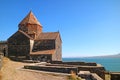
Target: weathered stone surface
{"x":18,"y":45}
{"x":60,"y":69}
{"x":3,"y":46}
{"x":93,"y":69}
{"x":115,"y":75}
{"x":65,"y":68}
{"x":29,"y":42}
{"x":74,"y":63}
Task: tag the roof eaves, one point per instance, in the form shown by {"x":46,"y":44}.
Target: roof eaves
{"x":26,"y":34}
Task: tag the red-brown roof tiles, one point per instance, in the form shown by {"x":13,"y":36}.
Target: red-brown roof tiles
{"x":48,"y":35}
{"x":30,"y":19}
{"x":22,"y":33}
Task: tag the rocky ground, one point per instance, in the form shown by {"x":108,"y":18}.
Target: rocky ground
{"x":11,"y":70}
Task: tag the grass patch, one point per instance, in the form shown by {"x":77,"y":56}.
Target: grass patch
{"x":107,"y":77}
{"x":73,"y":78}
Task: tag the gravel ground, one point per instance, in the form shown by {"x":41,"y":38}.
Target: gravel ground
{"x":11,"y":71}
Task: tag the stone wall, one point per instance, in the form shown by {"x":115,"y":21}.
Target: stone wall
{"x":89,"y":76}
{"x":18,"y":45}
{"x":93,"y":69}
{"x":58,"y":46}
{"x":82,"y":66}
{"x":4,"y":47}
{"x":42,"y":57}
{"x":115,"y":75}
{"x":64,"y":68}
{"x":61,"y":69}
{"x":31,"y":29}
{"x":40,"y":45}
{"x":74,"y":63}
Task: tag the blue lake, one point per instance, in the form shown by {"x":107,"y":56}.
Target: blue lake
{"x":110,"y":64}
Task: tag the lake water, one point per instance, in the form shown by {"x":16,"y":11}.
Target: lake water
{"x":110,"y":64}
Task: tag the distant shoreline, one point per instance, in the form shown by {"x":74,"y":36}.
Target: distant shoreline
{"x":102,"y":56}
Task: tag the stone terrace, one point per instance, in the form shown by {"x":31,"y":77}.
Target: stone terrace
{"x":67,"y":67}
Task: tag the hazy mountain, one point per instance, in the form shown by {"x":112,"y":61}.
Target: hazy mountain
{"x":110,"y":56}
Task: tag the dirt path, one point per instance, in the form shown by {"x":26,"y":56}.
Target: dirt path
{"x":11,"y":71}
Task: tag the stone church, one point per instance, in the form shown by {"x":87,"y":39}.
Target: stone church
{"x":29,"y":42}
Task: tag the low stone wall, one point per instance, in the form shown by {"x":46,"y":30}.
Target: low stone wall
{"x":62,"y":65}
{"x":93,"y":69}
{"x":67,"y":67}
{"x":60,"y":69}
{"x":90,"y":76}
{"x":56,"y":62}
{"x":74,"y":63}
{"x":64,"y":68}
{"x":115,"y":75}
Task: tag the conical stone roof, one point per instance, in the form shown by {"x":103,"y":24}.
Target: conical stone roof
{"x":30,"y":19}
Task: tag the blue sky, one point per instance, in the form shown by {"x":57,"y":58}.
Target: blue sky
{"x":87,"y":27}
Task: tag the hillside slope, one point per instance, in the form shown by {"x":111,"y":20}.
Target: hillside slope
{"x":11,"y":71}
